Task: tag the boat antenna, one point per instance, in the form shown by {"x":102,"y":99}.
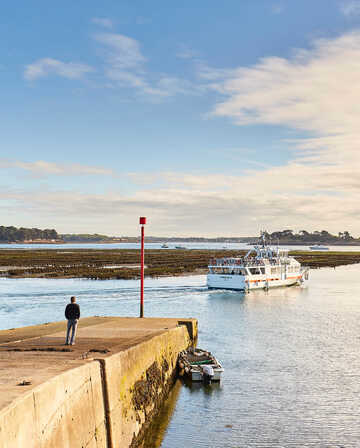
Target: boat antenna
{"x":263,"y":238}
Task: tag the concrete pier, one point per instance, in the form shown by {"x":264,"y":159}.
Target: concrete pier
{"x":101,"y":392}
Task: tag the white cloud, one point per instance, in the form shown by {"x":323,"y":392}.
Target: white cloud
{"x":49,"y":66}
{"x":312,"y":91}
{"x":125,"y":64}
{"x":350,"y":8}
{"x":43,"y":168}
{"x":102,"y":21}
{"x":122,"y":52}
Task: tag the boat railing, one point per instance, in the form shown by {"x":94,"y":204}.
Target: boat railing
{"x":237,"y":263}
{"x":249,"y":262}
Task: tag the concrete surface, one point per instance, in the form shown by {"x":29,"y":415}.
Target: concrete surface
{"x":101,"y":392}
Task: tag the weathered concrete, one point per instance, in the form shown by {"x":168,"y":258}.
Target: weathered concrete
{"x":100,"y":393}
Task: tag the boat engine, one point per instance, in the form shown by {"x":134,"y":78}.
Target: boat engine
{"x":208,"y":374}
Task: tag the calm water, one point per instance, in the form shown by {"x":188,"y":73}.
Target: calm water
{"x":291,"y":356}
{"x":186,"y":244}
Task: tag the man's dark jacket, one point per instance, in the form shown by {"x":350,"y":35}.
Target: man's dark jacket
{"x":72,"y":311}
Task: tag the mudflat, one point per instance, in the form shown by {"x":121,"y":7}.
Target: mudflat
{"x":124,"y":263}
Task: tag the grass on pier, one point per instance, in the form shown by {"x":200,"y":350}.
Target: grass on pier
{"x":98,"y":264}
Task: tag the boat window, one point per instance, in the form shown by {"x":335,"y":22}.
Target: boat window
{"x":262,"y":270}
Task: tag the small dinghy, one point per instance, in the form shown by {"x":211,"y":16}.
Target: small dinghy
{"x":199,"y":365}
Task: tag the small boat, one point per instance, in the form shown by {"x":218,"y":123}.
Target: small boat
{"x":164,"y":246}
{"x":263,"y":267}
{"x":199,"y":365}
{"x":318,"y":247}
{"x":180,"y":247}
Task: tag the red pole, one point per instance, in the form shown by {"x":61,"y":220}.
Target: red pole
{"x":142,"y":222}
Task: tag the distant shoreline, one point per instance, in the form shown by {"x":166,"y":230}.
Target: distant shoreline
{"x":281,"y":243}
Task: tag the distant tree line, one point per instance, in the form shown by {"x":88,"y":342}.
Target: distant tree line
{"x":321,"y":236}
{"x":84,"y":237}
{"x":13,"y":234}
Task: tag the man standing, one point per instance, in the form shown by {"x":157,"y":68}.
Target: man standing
{"x":72,"y":314}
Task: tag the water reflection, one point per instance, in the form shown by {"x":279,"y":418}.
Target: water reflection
{"x":198,"y":387}
{"x":155,"y":434}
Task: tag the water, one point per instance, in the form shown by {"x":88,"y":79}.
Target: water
{"x":186,"y":244}
{"x":291,"y":356}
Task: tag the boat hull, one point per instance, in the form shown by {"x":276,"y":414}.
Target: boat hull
{"x":197,"y":376}
{"x":240,"y":283}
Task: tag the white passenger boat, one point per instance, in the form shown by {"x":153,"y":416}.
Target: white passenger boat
{"x":199,"y":365}
{"x":318,"y":247}
{"x":263,"y":267}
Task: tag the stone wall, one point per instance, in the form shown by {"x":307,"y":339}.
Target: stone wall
{"x":103,"y":403}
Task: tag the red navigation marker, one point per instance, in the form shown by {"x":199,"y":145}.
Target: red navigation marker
{"x":142,"y":222}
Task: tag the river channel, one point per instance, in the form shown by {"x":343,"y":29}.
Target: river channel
{"x":291,"y":355}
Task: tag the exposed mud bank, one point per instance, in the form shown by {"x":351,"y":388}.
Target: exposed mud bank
{"x":124,"y":263}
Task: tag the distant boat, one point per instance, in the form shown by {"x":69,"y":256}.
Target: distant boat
{"x":318,"y":247}
{"x":180,"y":247}
{"x":164,"y":246}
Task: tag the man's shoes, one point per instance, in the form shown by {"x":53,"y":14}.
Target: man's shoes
{"x":73,"y":343}
{"x":66,"y":343}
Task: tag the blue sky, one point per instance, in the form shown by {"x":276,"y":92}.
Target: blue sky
{"x":209,"y":118}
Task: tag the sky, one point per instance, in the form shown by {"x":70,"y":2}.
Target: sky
{"x":209,"y":118}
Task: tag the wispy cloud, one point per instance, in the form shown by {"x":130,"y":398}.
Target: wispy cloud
{"x":41,"y":168}
{"x":125,"y":64}
{"x":122,"y":52}
{"x":103,"y":21}
{"x":313,"y":91}
{"x":49,"y":66}
{"x":124,"y":60}
{"x":350,"y":8}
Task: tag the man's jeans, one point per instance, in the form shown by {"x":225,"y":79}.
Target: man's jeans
{"x":71,"y":325}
